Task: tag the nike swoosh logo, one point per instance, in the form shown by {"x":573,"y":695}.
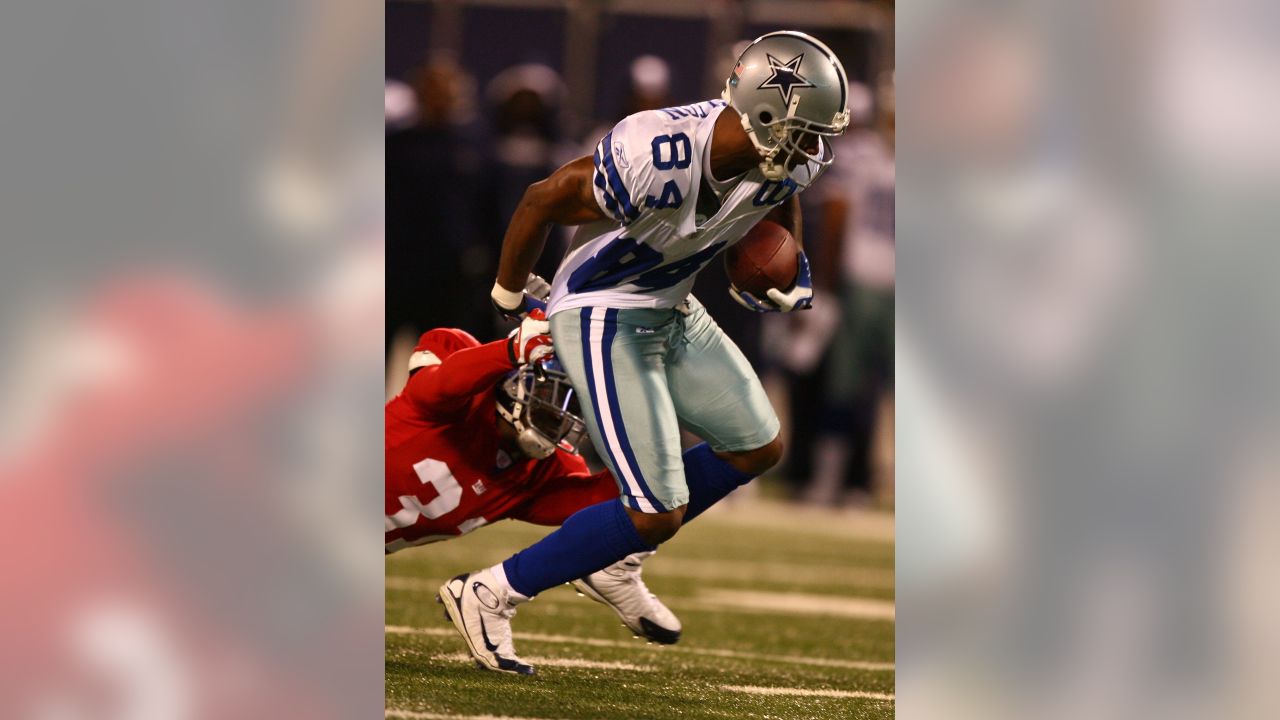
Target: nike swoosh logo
{"x":485,"y":633}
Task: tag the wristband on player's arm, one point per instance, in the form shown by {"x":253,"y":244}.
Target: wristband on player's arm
{"x":512,"y":304}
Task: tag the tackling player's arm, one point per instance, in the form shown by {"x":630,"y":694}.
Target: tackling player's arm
{"x":449,"y":385}
{"x":446,"y":387}
{"x":564,"y":198}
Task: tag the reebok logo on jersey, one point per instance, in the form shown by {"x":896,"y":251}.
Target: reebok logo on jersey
{"x":645,"y":331}
{"x":620,"y":155}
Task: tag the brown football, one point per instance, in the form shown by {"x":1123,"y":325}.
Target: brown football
{"x":766,"y":257}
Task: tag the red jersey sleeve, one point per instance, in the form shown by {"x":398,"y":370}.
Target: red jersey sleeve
{"x":448,"y":387}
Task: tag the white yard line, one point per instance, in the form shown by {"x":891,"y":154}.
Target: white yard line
{"x":792,"y":603}
{"x":843,"y":575}
{"x":413,"y":715}
{"x":747,"y":601}
{"x":802,"y":692}
{"x":637,"y":645}
{"x":404,"y":582}
{"x":759,"y":513}
{"x":713,"y":570}
{"x":556,"y":662}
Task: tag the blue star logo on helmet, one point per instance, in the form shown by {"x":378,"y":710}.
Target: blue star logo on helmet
{"x":786,"y":76}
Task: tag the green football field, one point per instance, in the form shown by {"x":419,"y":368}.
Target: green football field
{"x":787,"y":611}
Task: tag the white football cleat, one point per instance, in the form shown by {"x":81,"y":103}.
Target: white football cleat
{"x":619,"y":586}
{"x":481,"y":609}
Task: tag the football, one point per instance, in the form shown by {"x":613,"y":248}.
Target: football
{"x":766,"y":257}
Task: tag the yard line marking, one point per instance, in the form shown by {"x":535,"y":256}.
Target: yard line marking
{"x":404,"y":582}
{"x":860,"y":578}
{"x":793,"y":603}
{"x":755,"y":570}
{"x":557,"y":662}
{"x":414,"y":715}
{"x":856,"y":576}
{"x":761,"y":514}
{"x":802,"y":692}
{"x":637,"y":645}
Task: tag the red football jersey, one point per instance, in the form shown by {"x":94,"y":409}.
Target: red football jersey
{"x":446,"y":473}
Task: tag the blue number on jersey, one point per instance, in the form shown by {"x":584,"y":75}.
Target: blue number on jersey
{"x":668,"y":275}
{"x":616,"y":262}
{"x":679,"y":152}
{"x":626,"y":258}
{"x":671,"y":197}
{"x":773,"y":192}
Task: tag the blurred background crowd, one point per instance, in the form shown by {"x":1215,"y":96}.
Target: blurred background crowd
{"x":484,"y":98}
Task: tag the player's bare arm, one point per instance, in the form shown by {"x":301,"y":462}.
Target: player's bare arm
{"x":731,"y":150}
{"x":564,"y":198}
{"x":788,"y":216}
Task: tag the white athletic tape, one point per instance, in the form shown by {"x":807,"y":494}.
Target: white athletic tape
{"x":509,"y":299}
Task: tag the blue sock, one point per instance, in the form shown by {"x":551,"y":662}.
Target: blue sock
{"x":709,"y":479}
{"x":591,"y":539}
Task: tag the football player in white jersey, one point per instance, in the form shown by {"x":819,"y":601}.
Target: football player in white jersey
{"x":665,"y":192}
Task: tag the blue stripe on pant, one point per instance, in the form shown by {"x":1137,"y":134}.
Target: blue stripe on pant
{"x":611,"y":426}
{"x":611,"y":391}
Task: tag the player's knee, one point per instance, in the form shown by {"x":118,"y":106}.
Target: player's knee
{"x":759,"y":460}
{"x":657,"y":528}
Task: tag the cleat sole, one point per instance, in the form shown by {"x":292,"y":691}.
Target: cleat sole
{"x":648,"y":629}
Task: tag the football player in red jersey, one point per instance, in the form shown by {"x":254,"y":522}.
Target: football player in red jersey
{"x":484,"y":432}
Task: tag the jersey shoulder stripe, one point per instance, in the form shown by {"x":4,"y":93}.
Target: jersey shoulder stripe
{"x":609,"y":180}
{"x":602,"y":186}
{"x":644,"y":161}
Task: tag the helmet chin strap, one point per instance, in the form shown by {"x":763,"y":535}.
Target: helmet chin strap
{"x":534,"y":445}
{"x":770,"y":169}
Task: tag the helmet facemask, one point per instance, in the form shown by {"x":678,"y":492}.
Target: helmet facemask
{"x":786,"y":139}
{"x":538,"y":401}
{"x":791,"y":94}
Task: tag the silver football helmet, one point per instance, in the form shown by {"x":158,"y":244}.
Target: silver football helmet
{"x":538,"y":400}
{"x":791,"y":91}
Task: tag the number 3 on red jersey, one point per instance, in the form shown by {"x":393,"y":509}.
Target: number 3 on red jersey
{"x":437,"y":475}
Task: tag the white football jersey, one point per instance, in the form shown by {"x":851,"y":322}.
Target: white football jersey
{"x":864,"y":176}
{"x":648,"y":171}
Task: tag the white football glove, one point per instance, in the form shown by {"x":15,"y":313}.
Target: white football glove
{"x":800,"y":297}
{"x":531,"y":341}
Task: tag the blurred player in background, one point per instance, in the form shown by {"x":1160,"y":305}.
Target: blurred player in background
{"x":665,"y":192}
{"x":858,"y":219}
{"x":486,"y":432}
